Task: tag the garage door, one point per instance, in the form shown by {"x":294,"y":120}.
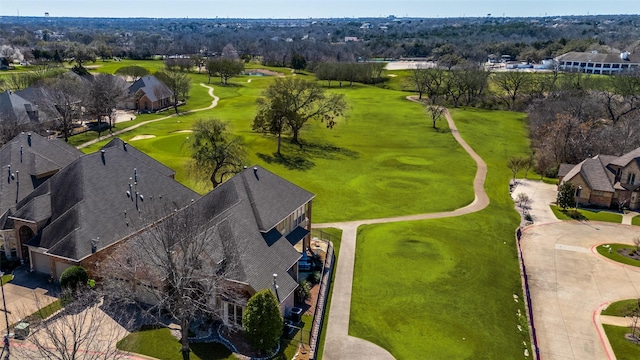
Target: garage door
{"x":40,"y":262}
{"x":60,"y":267}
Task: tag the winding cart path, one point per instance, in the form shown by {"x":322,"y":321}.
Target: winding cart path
{"x":338,"y":343}
{"x":214,"y":103}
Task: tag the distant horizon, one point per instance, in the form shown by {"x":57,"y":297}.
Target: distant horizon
{"x":314,"y":9}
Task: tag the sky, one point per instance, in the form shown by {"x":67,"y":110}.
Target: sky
{"x":313,"y":8}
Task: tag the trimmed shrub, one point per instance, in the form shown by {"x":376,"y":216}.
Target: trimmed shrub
{"x":262,"y":321}
{"x":73,"y":277}
{"x":314,"y":277}
{"x":303,"y":292}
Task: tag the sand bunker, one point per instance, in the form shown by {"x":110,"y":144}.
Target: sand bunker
{"x":183,"y":131}
{"x":142,"y":137}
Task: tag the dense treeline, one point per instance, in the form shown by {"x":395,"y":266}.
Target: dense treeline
{"x":590,"y":115}
{"x":276,"y":42}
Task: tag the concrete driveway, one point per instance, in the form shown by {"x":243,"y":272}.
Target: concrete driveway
{"x":569,"y":282}
{"x":27,"y":293}
{"x":541,"y":195}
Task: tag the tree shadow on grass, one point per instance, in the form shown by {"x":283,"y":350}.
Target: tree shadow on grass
{"x":301,"y":156}
{"x":210,"y":351}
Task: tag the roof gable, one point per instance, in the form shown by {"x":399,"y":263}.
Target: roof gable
{"x":25,"y":159}
{"x":272,"y":198}
{"x":153,"y":88}
{"x":14,"y":107}
{"x":625,"y":159}
{"x":595,"y":173}
{"x":105,"y":197}
{"x":235,"y":210}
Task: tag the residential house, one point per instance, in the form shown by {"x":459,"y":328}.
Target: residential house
{"x":149,"y":94}
{"x":605,"y":180}
{"x":264,"y":216}
{"x":26,"y":161}
{"x":598,"y":63}
{"x":93,"y":203}
{"x":20,"y":111}
{"x":89,"y":204}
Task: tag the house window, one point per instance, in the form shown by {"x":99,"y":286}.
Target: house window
{"x":234,"y":314}
{"x":631,"y":178}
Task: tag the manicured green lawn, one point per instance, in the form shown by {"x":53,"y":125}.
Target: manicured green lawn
{"x":110,"y":66}
{"x":7,"y":278}
{"x":407,"y":170}
{"x":560,"y":215}
{"x":623,"y":349}
{"x":444,"y":288}
{"x":613,"y":255}
{"x":591,"y":215}
{"x":159,"y":343}
{"x":621,"y":308}
{"x":635,"y":220}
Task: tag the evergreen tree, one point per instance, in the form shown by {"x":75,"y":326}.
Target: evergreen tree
{"x":262,"y":321}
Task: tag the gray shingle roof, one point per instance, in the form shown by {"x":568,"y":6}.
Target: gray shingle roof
{"x":273,"y":197}
{"x":598,"y":58}
{"x":625,"y":159}
{"x":31,"y":158}
{"x":564,"y":169}
{"x":595,"y":173}
{"x":89,"y":198}
{"x":15,"y":108}
{"x":237,"y":208}
{"x":117,"y":142}
{"x":152,"y":87}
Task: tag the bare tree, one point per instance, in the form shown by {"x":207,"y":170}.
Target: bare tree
{"x":634,"y":314}
{"x":9,"y":128}
{"x":62,"y":100}
{"x":86,"y":328}
{"x":515,"y":164}
{"x":636,"y":243}
{"x":178,"y":82}
{"x":105,"y":92}
{"x":523,"y":201}
{"x":418,"y":78}
{"x":512,"y":84}
{"x":178,"y":268}
{"x":229,"y":52}
{"x":435,"y":112}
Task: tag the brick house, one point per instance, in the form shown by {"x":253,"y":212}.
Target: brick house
{"x":605,"y":180}
{"x":96,"y":201}
{"x":149,"y":94}
{"x":27,"y":161}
